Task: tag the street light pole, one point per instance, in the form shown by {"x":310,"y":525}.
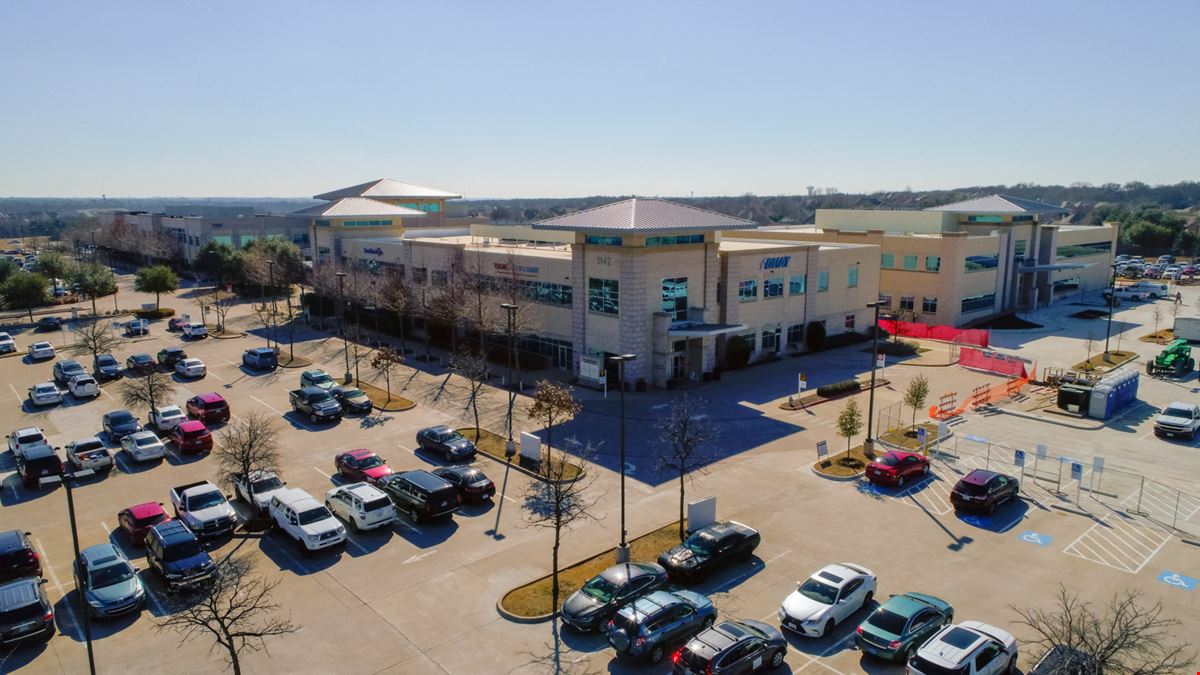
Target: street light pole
{"x":511,"y":309}
{"x":341,"y":277}
{"x":869,"y":443}
{"x":68,"y":477}
{"x":271,"y":283}
{"x":1112,"y":297}
{"x":623,"y":547}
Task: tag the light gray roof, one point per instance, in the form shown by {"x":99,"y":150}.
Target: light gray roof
{"x":644,"y":215}
{"x":387,"y":188}
{"x":1000,"y":204}
{"x":357,"y":206}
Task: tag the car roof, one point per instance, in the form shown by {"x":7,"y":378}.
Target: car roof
{"x":457,"y":469}
{"x":19,"y":593}
{"x":622,"y":572}
{"x":719,"y":637}
{"x":191,"y":425}
{"x":313,"y":391}
{"x":146,"y":510}
{"x":143,"y":434}
{"x":112,"y":413}
{"x":100,"y":554}
{"x":837,"y":574}
{"x":105,"y":357}
{"x":172,"y":531}
{"x":440,"y":427}
{"x":45,"y":385}
{"x":141,"y":356}
{"x":171,"y":350}
{"x":951,"y":645}
{"x":359,"y":453}
{"x":261,"y":350}
{"x":314,"y":372}
{"x":979,"y":477}
{"x":363,"y":491}
{"x":41,"y":345}
{"x":11,"y":540}
{"x":652,"y":602}
{"x":424,"y":479}
{"x":296,"y":498}
{"x":68,"y":362}
{"x":169,"y":408}
{"x":28,"y":431}
{"x":211,"y":397}
{"x":722,"y":530}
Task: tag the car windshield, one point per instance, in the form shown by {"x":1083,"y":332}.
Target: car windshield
{"x":21,"y":614}
{"x":143,"y":441}
{"x":887,"y":620}
{"x":887,"y":460}
{"x":323,"y":395}
{"x":1177,"y":412}
{"x":205,"y":500}
{"x":699,"y":544}
{"x":449,"y":436}
{"x":266,"y":484}
{"x":109,"y":575}
{"x":184,"y":549}
{"x":314,"y":515}
{"x":170,"y":412}
{"x":322,"y":378}
{"x":819,"y":591}
{"x":600,"y":588}
{"x":353,"y":393}
{"x":121,"y":418}
{"x":149,"y":521}
{"x":106,"y":361}
{"x":370,"y":462}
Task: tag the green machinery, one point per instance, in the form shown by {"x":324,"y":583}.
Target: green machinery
{"x":1175,"y":359}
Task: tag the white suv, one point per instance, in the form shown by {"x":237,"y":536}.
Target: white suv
{"x":305,"y":520}
{"x":968,"y":648}
{"x":361,"y":505}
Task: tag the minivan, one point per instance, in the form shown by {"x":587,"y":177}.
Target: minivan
{"x":420,"y":494}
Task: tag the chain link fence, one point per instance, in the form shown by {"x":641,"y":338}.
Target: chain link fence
{"x":1076,"y":484}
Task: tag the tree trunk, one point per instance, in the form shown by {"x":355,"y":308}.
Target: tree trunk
{"x":681,"y":504}
{"x":387,"y":381}
{"x":554,"y":586}
{"x":475,"y":406}
{"x":549,"y":443}
{"x":95,"y":312}
{"x":157,"y":301}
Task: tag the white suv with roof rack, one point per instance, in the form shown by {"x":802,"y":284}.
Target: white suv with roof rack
{"x":306,"y":520}
{"x":968,"y":648}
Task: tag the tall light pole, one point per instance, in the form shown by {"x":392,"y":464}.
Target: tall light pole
{"x":1112,"y":297}
{"x":623,"y":547}
{"x":341,"y":277}
{"x":68,"y":478}
{"x":93,"y":246}
{"x":511,"y":309}
{"x":869,"y":443}
{"x":271,"y":284}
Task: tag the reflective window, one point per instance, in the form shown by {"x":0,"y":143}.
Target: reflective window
{"x":604,"y":295}
{"x":773,"y":287}
{"x":675,"y":298}
{"x":748,"y":290}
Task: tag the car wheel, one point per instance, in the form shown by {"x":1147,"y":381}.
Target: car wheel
{"x":709,"y":621}
{"x":1012,"y":665}
{"x":828,"y":628}
{"x":777,"y":658}
{"x":312,"y":417}
{"x":656,"y":654}
{"x":867,"y":599}
{"x":991,"y":508}
{"x":900,"y":481}
{"x":925,"y":470}
{"x":414,"y":516}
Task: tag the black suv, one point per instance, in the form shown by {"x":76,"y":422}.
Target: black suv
{"x":984,"y":490}
{"x":709,"y":548}
{"x":17,"y":557}
{"x":176,"y":554}
{"x":25,"y":612}
{"x":420,"y":493}
{"x":732,"y":647}
{"x":169,"y":356}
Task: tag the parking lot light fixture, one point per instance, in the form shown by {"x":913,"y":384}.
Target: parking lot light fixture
{"x":68,"y":479}
{"x":341,"y":277}
{"x":271,"y":285}
{"x":509,"y":448}
{"x":623,"y":547}
{"x":868,"y":442}
{"x":1112,"y":297}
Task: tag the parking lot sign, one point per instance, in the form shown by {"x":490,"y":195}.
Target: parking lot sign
{"x":921,"y":435}
{"x":822,"y":450}
{"x":1076,"y":470}
{"x":1019,"y":458}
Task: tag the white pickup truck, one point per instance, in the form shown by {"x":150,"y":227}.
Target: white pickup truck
{"x":257,"y":491}
{"x":203,"y":509}
{"x":1178,"y":419}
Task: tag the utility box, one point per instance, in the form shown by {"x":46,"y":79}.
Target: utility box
{"x":1075,"y":398}
{"x":1187,"y":328}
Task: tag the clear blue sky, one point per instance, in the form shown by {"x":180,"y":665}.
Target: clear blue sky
{"x":496,"y":99}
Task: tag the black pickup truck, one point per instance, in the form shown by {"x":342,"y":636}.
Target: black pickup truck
{"x":318,"y":404}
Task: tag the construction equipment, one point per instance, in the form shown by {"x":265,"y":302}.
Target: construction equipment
{"x":1175,"y":359}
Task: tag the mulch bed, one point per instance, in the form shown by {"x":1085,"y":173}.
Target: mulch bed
{"x":379,"y":397}
{"x":492,"y":444}
{"x":295,"y":362}
{"x":1104,"y":361}
{"x":1161,"y":337}
{"x":843,"y":465}
{"x":809,"y":400}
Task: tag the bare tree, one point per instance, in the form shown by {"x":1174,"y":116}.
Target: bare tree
{"x":1157,"y":314}
{"x":394,"y":295}
{"x":1127,"y":638}
{"x":235,"y":610}
{"x":148,"y":392}
{"x":450,"y":303}
{"x":474,"y":369}
{"x":220,"y":301}
{"x":247,"y":446}
{"x":265,"y":315}
{"x":552,"y":405}
{"x":557,"y":503}
{"x":687,"y":434}
{"x":1091,"y":344}
{"x":423,"y":304}
{"x":386,"y":360}
{"x":94,"y":337}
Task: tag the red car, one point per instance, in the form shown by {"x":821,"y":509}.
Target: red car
{"x":895,"y":467}
{"x":137,"y":520}
{"x":210,"y":408}
{"x":361,"y":465}
{"x":192,"y":437}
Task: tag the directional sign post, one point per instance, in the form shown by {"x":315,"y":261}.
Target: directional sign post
{"x":1041,"y":454}
{"x":1077,"y":476}
{"x":822,"y":450}
{"x":1019,"y":460}
{"x":1097,"y":473}
{"x":921,"y":435}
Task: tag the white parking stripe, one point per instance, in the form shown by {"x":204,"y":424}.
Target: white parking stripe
{"x":321,"y":472}
{"x":267,"y":405}
{"x":14,"y":391}
{"x":47,"y":567}
{"x":159,"y":608}
{"x":216,"y":376}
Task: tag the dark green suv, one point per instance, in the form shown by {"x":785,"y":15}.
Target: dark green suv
{"x":420,"y":494}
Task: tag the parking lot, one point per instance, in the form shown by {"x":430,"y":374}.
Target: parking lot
{"x":421,"y":598}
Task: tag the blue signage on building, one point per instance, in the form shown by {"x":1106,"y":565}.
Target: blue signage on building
{"x":775,"y":263}
{"x":373,"y":251}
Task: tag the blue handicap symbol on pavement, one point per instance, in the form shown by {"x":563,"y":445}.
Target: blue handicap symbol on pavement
{"x":977,"y":521}
{"x":1035,"y":538}
{"x":1178,"y":580}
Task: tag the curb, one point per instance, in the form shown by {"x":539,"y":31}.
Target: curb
{"x":836,"y":479}
{"x":521,"y":619}
{"x":387,"y":409}
{"x":222,"y":336}
{"x":517,"y":466}
{"x":1039,"y":418}
{"x":879,"y":383}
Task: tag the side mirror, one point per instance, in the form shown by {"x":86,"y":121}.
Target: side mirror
{"x":41,"y":581}
{"x":28,"y":534}
{"x":161,"y":504}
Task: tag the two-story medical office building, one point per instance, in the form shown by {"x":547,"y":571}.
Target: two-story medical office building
{"x":964,"y":262}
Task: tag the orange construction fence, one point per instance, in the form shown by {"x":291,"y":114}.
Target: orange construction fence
{"x":982,"y":395}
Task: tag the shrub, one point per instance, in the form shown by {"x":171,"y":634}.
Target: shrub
{"x":900,"y":348}
{"x":814,"y":336}
{"x":160,"y":313}
{"x":737,"y":352}
{"x":844,"y":339}
{"x":839,"y":388}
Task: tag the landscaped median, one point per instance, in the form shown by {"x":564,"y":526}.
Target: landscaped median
{"x":1104,"y":361}
{"x":493,"y":445}
{"x":532,"y":602}
{"x":381,"y":400}
{"x":849,"y":466}
{"x":831,"y":392}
